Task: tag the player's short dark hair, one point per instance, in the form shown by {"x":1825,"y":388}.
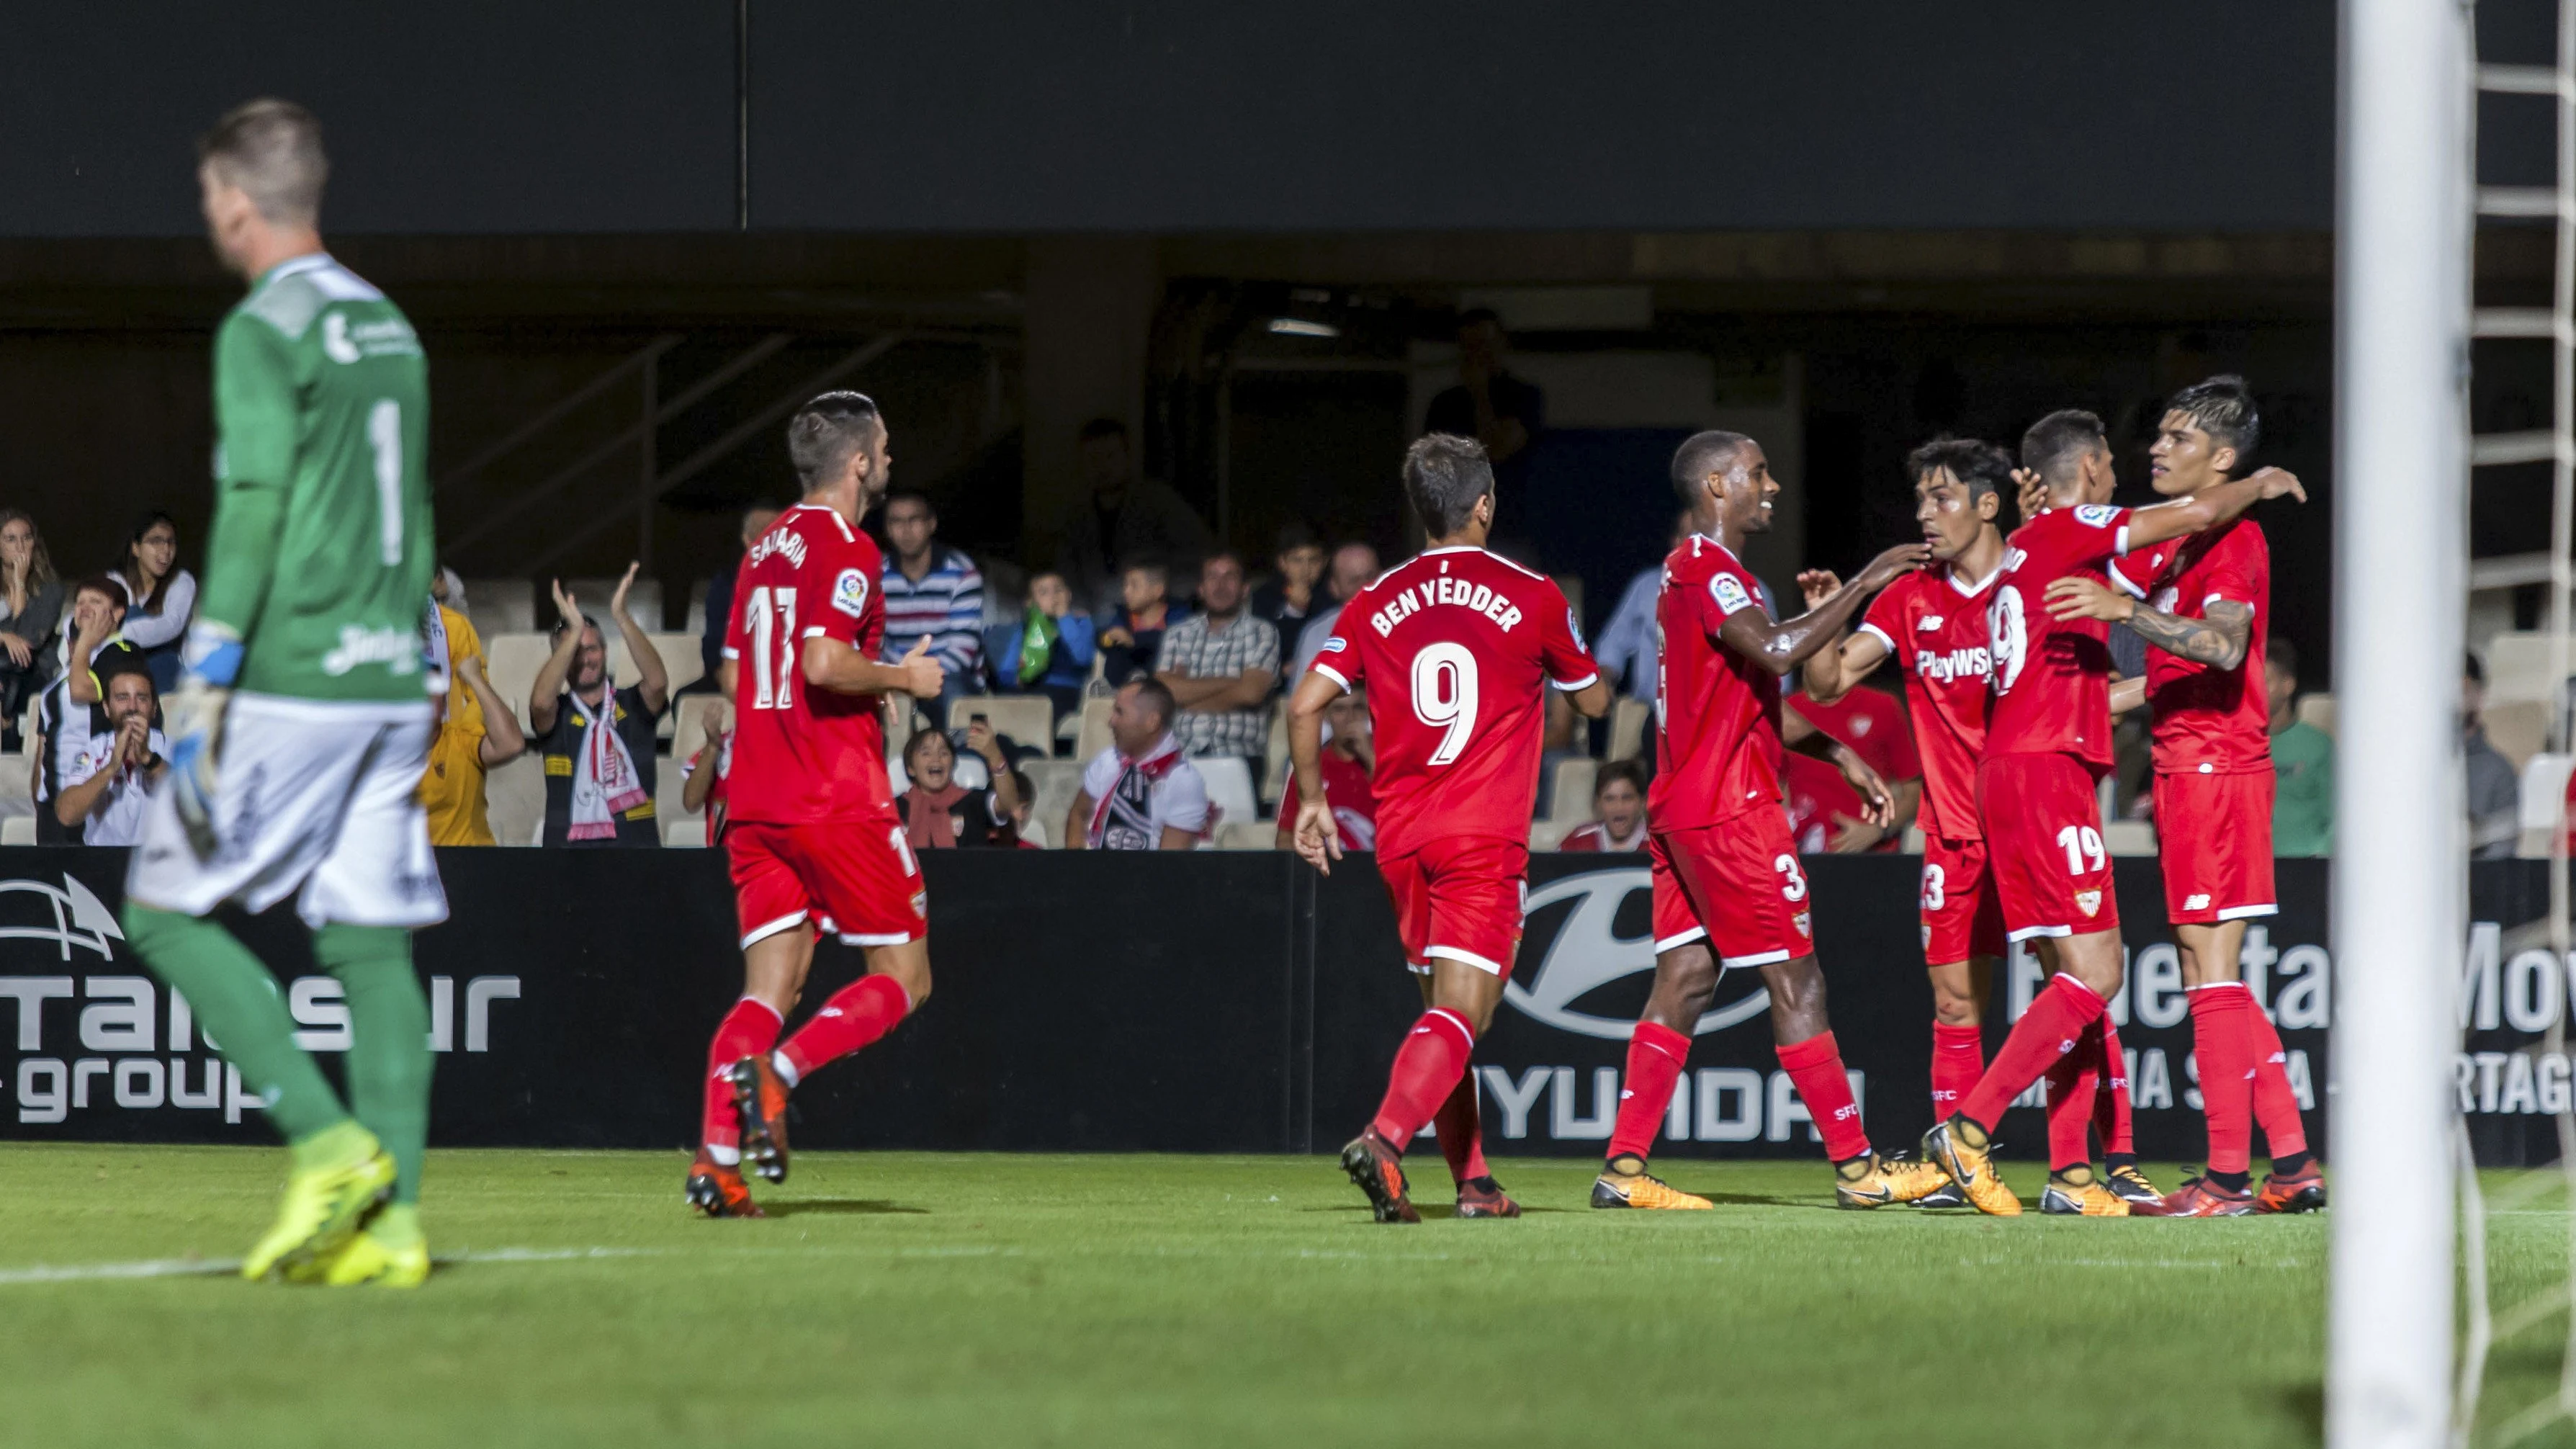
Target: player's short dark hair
{"x":825,"y":433}
{"x":1631,"y":770}
{"x":1698,"y":454}
{"x":1155,"y":695}
{"x":1102,"y":428}
{"x":2223,"y":407}
{"x":1444,"y":475}
{"x":1980,"y":466}
{"x":1296,"y":533}
{"x":106,"y":586}
{"x":2283,"y":655}
{"x":911,"y":495}
{"x":272,"y":150}
{"x":2056,"y":443}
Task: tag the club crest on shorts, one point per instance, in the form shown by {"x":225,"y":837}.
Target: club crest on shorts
{"x":2089,"y":902}
{"x":1803,"y":921}
{"x":921,"y":904}
{"x":1927,"y":938}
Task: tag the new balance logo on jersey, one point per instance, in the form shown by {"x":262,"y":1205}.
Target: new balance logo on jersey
{"x":1445,"y":590}
{"x":2196,"y":903}
{"x":1928,"y":623}
{"x":1941,"y":668}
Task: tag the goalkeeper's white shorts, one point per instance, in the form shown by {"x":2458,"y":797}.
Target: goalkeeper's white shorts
{"x":319,"y":799}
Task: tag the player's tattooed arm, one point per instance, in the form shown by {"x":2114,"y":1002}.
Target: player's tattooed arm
{"x":1785,"y":646}
{"x":2218,"y":640}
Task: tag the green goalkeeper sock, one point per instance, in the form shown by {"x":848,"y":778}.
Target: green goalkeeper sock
{"x":236,"y":999}
{"x":388,"y":1065}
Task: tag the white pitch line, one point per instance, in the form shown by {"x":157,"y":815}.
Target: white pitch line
{"x":217,"y":1267}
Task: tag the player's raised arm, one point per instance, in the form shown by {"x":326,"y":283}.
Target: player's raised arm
{"x":1782,"y":647}
{"x":1848,"y":659}
{"x":653,"y":678}
{"x":2211,"y":506}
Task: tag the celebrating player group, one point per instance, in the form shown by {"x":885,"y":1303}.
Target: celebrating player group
{"x":2003,"y":643}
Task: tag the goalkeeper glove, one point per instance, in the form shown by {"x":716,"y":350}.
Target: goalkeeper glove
{"x":194,"y":716}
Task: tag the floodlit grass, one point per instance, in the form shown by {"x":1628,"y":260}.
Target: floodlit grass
{"x":914,"y":1298}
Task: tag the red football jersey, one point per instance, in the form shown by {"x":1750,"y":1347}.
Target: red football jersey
{"x":1454,"y":646}
{"x":1347,"y":790}
{"x":2221,"y":718}
{"x":1717,"y":747}
{"x":1935,"y":628}
{"x":2052,"y":677}
{"x":803,"y":755}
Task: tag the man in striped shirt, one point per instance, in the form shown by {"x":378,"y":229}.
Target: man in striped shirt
{"x":931,"y":591}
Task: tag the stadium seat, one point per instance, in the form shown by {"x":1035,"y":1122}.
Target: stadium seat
{"x":18,"y":830}
{"x":669,"y":784}
{"x":1055,"y":782}
{"x":680,"y":658}
{"x":515,"y":797}
{"x":1029,"y":719}
{"x":1628,"y":720}
{"x":1274,"y":781}
{"x":2544,"y":793}
{"x":501,"y":606}
{"x":1571,"y":801}
{"x":694,"y":623}
{"x":2517,"y":728}
{"x":684,"y":834}
{"x":2317,"y":710}
{"x":1094,"y":734}
{"x":1247,"y":835}
{"x":1544,"y":834}
{"x":2129,"y":837}
{"x":1229,"y":788}
{"x":510,"y":662}
{"x":2518,"y":667}
{"x":18,"y":783}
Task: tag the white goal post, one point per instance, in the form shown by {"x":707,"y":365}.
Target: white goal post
{"x":2402,"y":298}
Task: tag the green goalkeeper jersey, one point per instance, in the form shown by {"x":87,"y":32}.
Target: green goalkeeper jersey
{"x":320,"y":552}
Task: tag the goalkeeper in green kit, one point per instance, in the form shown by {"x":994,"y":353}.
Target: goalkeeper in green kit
{"x":302,"y":721}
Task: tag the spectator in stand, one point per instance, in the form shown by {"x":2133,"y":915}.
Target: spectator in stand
{"x":73,"y":707}
{"x":702,"y":779}
{"x":1627,"y":642}
{"x":1494,"y":408}
{"x":2303,"y":799}
{"x":597,"y":739}
{"x":1141,"y":793}
{"x":934,"y":592}
{"x":1050,"y":649}
{"x":106,"y":785}
{"x":1825,"y":812}
{"x":31,"y":606}
{"x":1024,"y":833}
{"x":1131,"y":636}
{"x":160,"y":596}
{"x":1220,"y":665}
{"x":1350,"y":757}
{"x":1121,"y":520}
{"x":2495,"y":787}
{"x":938,"y":812}
{"x":1354,"y":564}
{"x":477,"y":732}
{"x":711,"y":630}
{"x":1288,"y":597}
{"x":1618,"y":810}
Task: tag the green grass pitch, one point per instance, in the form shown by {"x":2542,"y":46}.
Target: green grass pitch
{"x":901,"y":1298}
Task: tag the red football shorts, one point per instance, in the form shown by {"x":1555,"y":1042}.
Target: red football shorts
{"x":856,"y":879}
{"x":1741,"y":886}
{"x":1459,"y":898}
{"x":1961,"y":916}
{"x":2044,"y":846}
{"x":2215,"y":834}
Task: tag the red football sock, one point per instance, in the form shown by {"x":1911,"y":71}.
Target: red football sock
{"x":2071,"y":1080}
{"x":1656,"y":1054}
{"x":1958,"y":1059}
{"x":746,"y":1031}
{"x":2057,"y":1017}
{"x":1816,"y":1065}
{"x":1427,"y":1066}
{"x":2111,"y":1097}
{"x":2276,"y":1105}
{"x":856,"y":1015}
{"x":2224,"y":1045}
{"x":1461,"y":1140}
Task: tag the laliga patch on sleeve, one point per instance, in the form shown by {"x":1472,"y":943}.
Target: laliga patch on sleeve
{"x":1729,"y":593}
{"x":1574,"y":626}
{"x":2096,"y":515}
{"x":850,"y":593}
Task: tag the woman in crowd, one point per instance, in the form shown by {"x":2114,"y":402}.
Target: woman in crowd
{"x":31,"y":605}
{"x":1050,"y":650}
{"x":937,"y":811}
{"x":161,"y":596}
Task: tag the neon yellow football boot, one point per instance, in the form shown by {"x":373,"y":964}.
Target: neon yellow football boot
{"x":323,"y":1208}
{"x":367,"y":1259}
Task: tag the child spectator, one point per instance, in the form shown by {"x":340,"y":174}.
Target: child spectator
{"x":938,"y":812}
{"x":160,"y":596}
{"x":1618,"y":810}
{"x":1131,"y":638}
{"x":1050,"y":650}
